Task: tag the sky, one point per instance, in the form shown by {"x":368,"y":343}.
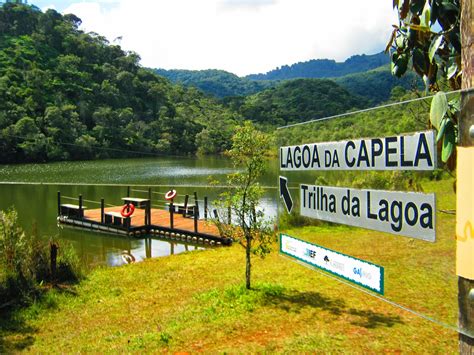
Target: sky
{"x":239,"y":36}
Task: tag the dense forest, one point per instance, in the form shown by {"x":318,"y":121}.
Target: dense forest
{"x":65,"y":93}
{"x":398,"y":119}
{"x":218,"y":83}
{"x":296,"y":101}
{"x":324,"y":68}
{"x":376,"y":85}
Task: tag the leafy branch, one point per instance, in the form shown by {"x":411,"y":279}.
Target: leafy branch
{"x":434,"y":55}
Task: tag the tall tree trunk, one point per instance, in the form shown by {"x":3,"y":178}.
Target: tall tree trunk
{"x":248,"y":265}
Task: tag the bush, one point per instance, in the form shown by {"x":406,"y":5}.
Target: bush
{"x":25,"y":262}
{"x":13,"y":244}
{"x":39,"y":260}
{"x":291,"y":220}
{"x":16,"y":288}
{"x":388,"y":180}
{"x":69,"y":267}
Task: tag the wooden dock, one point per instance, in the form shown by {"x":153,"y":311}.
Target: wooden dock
{"x":169,"y":224}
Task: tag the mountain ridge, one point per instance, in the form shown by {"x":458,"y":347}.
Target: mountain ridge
{"x":364,"y":75}
{"x":324,"y":68}
{"x":219,"y":83}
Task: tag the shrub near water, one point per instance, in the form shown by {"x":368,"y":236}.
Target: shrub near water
{"x":25,"y":262}
{"x":15,"y":276}
{"x":69,"y":267}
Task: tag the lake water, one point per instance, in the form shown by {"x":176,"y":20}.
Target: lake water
{"x":32,"y":190}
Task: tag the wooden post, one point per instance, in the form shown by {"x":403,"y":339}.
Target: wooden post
{"x":205,"y":208}
{"x":102,"y":208}
{"x":196,"y":213}
{"x":53,"y":258}
{"x":229,"y":215}
{"x":464,"y":197}
{"x":148,"y":248}
{"x":146,"y":213}
{"x":171,"y":214}
{"x":81,"y":213}
{"x":128,"y":191}
{"x":186,"y":198}
{"x":59,"y":203}
{"x":149,"y":206}
{"x":196,"y":210}
{"x":149,"y":213}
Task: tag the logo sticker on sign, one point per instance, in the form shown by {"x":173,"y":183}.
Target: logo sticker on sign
{"x":357,"y":271}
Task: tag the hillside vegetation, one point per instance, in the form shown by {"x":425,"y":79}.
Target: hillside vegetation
{"x":65,"y":93}
{"x":388,"y":121}
{"x":324,"y":68}
{"x":296,"y":101}
{"x":376,"y":85}
{"x":218,"y":83}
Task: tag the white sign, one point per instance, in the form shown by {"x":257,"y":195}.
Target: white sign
{"x":403,"y":213}
{"x":355,"y":270}
{"x":405,"y":152}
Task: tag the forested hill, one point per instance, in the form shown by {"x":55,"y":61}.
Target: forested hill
{"x":296,"y":101}
{"x":324,"y":68}
{"x":218,"y":83}
{"x":376,"y":85}
{"x":66,"y":94}
{"x":373,"y":84}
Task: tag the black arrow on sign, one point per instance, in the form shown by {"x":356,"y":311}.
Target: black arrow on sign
{"x":285,"y":193}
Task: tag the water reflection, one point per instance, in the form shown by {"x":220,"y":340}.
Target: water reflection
{"x":98,"y":249}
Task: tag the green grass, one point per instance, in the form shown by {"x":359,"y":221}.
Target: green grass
{"x":196,"y":302}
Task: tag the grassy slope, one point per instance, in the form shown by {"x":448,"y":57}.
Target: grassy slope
{"x":194,"y":302}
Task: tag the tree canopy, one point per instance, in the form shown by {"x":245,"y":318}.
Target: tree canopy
{"x":66,"y":94}
{"x":296,"y":101}
{"x":324,"y":68}
{"x":218,"y":83}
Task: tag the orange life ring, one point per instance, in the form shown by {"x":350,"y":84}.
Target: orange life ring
{"x":171,"y":194}
{"x":130,"y":208}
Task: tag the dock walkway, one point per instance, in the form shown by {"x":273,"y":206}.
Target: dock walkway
{"x":158,"y":218}
{"x":143,"y":221}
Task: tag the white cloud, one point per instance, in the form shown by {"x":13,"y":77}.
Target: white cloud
{"x":48,"y":7}
{"x":249,"y":4}
{"x":241,"y":36}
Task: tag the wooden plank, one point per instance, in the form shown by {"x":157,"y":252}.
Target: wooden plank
{"x":158,"y":217}
{"x":134,"y":199}
{"x":115,"y":214}
{"x":72,"y":207}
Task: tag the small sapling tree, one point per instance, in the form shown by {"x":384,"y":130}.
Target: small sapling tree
{"x":250,"y":228}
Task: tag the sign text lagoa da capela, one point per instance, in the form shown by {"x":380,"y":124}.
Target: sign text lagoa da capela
{"x":405,"y":152}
